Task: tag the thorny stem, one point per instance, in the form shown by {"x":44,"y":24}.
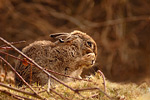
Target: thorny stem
{"x":20,"y":77}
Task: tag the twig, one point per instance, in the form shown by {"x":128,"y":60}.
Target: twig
{"x":42,"y":91}
{"x":86,"y":89}
{"x":15,"y":57}
{"x":31,"y":74}
{"x":21,"y":77}
{"x":18,"y":90}
{"x":6,"y":48}
{"x":11,"y":55}
{"x":14,"y":95}
{"x":5,"y":68}
{"x":13,"y":43}
{"x":103,"y":79}
{"x":59,"y":94}
{"x":67,"y":75}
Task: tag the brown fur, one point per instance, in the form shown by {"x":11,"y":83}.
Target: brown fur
{"x":70,"y":51}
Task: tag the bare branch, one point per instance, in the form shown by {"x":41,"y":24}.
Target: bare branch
{"x":21,"y":77}
{"x":68,"y":76}
{"x":86,"y":89}
{"x":59,"y":94}
{"x":103,"y":80}
{"x":18,"y":90}
{"x":14,"y":43}
{"x":15,"y":96}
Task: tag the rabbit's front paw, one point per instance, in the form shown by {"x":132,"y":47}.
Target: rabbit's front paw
{"x":87,"y":61}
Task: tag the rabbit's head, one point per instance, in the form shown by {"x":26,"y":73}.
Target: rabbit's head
{"x":79,"y":39}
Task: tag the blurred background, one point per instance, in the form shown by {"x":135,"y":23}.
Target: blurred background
{"x":121,"y":29}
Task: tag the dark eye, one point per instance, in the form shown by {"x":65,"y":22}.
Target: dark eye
{"x":89,"y":44}
{"x":66,"y":68}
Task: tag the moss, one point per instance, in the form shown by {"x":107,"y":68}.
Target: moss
{"x":117,"y":91}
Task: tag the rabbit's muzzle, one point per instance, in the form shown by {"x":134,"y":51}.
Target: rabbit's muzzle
{"x":90,"y":58}
{"x":87,"y":61}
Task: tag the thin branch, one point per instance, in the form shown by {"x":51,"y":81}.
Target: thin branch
{"x":68,"y":76}
{"x":18,"y":90}
{"x":14,"y":95}
{"x":86,"y":89}
{"x":103,"y":79}
{"x":20,"y":77}
{"x":6,"y":48}
{"x":59,"y":94}
{"x":13,"y":43}
{"x":11,"y":56}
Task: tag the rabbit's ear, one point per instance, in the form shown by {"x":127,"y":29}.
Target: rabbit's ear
{"x":58,"y":35}
{"x":70,"y":38}
{"x":67,"y":39}
{"x":63,"y":37}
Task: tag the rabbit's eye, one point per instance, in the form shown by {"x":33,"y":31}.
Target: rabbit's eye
{"x":90,"y":44}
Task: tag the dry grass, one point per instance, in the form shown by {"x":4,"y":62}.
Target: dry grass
{"x":115,"y":90}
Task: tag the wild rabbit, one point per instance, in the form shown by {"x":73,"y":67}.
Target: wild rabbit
{"x":69,"y":54}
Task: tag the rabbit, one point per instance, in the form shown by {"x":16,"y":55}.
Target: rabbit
{"x":69,"y":54}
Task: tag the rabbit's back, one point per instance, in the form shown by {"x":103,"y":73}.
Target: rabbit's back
{"x":48,"y":55}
